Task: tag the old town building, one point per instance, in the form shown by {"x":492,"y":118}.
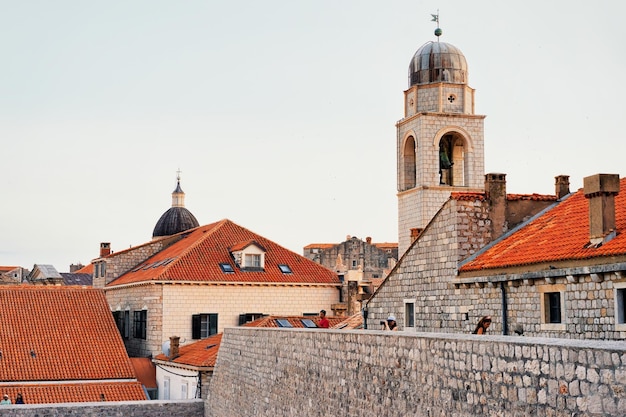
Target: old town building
{"x":199,"y":280}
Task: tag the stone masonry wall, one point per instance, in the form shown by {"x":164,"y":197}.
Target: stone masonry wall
{"x":189,"y":408}
{"x":288,"y":372}
{"x":425,"y":274}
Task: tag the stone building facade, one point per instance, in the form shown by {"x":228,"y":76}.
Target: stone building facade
{"x":360,"y":265}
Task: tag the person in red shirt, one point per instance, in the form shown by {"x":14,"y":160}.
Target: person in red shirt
{"x":323,"y":323}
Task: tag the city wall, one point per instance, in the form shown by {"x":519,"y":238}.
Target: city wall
{"x":300,"y":372}
{"x":187,"y":408}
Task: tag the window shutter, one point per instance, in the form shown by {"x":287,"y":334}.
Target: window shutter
{"x":195,"y":326}
{"x":242,"y":319}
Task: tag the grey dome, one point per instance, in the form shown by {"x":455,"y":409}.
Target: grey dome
{"x":175,"y":220}
{"x":436,"y":62}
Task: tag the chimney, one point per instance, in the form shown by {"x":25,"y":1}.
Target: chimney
{"x":600,"y":190}
{"x":415,"y":232}
{"x":495,"y":189}
{"x":561,"y":186}
{"x":174,"y":344}
{"x":105,"y":249}
{"x":368,"y":240}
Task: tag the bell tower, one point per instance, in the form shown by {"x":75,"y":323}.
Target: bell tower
{"x":440,"y":143}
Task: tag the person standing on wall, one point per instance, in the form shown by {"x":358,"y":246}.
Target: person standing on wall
{"x":323,"y":323}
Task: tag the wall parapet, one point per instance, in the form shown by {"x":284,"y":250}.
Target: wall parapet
{"x":181,"y":408}
{"x":276,"y":372}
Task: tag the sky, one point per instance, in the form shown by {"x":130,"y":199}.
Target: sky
{"x":279,"y":114}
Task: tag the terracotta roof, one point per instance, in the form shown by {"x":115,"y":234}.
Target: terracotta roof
{"x":295,"y":321}
{"x":7,"y":268}
{"x":201,"y":354}
{"x":559,"y":234}
{"x":198,"y":254}
{"x":355,"y":321}
{"x":64,"y":334}
{"x":145,"y":370}
{"x":76,"y":392}
{"x":88,"y":269}
{"x":320,"y":245}
{"x":481,"y":196}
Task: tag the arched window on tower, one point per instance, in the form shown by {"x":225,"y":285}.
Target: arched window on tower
{"x":408,"y":164}
{"x":452,"y":160}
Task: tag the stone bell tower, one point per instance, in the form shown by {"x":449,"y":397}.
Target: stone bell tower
{"x":440,"y":143}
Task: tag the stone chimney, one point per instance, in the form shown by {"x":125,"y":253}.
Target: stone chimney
{"x":368,"y":240}
{"x":495,"y":189}
{"x":415,"y":233}
{"x":600,"y":190}
{"x":561,"y":186}
{"x":105,"y":249}
{"x":174,"y":345}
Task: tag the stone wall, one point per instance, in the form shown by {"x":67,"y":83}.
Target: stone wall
{"x":188,"y":408}
{"x":287,"y":372}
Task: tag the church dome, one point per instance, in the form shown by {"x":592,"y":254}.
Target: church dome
{"x":177,"y":219}
{"x":436,"y":62}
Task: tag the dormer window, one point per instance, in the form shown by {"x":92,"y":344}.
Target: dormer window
{"x":253,"y":260}
{"x":249,"y":256}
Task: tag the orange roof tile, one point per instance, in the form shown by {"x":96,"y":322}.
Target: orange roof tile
{"x":355,"y":321}
{"x":559,"y":234}
{"x":88,"y":269}
{"x":202,"y":353}
{"x":320,"y":245}
{"x":76,"y":392}
{"x":197,"y":257}
{"x":295,"y":321}
{"x":145,"y":370}
{"x":61,"y":333}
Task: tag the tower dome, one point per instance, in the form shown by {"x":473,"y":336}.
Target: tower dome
{"x":436,"y":62}
{"x":177,"y":219}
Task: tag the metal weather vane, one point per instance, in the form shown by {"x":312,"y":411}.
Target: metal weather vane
{"x":435,"y":18}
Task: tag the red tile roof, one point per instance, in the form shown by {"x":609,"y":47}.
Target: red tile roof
{"x":146,"y":371}
{"x":355,"y":321}
{"x":201,"y":354}
{"x":197,"y":257}
{"x":63,"y":334}
{"x":559,"y":234}
{"x":88,"y":269}
{"x":295,"y":321}
{"x":76,"y":392}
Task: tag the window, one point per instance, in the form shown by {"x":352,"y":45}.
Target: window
{"x":248,"y":317}
{"x":203,"y":325}
{"x":122,"y":320}
{"x":166,"y":388}
{"x":308,"y":323}
{"x":409,"y":313}
{"x":283,"y":323}
{"x":552,"y":300}
{"x":227,"y":268}
{"x":183,"y":391}
{"x":620,"y":306}
{"x":620,"y":309}
{"x":140,"y":319}
{"x":284,"y":269}
{"x":353,"y":263}
{"x":252,"y":260}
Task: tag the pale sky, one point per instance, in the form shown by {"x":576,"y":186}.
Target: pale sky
{"x":280,"y":114}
